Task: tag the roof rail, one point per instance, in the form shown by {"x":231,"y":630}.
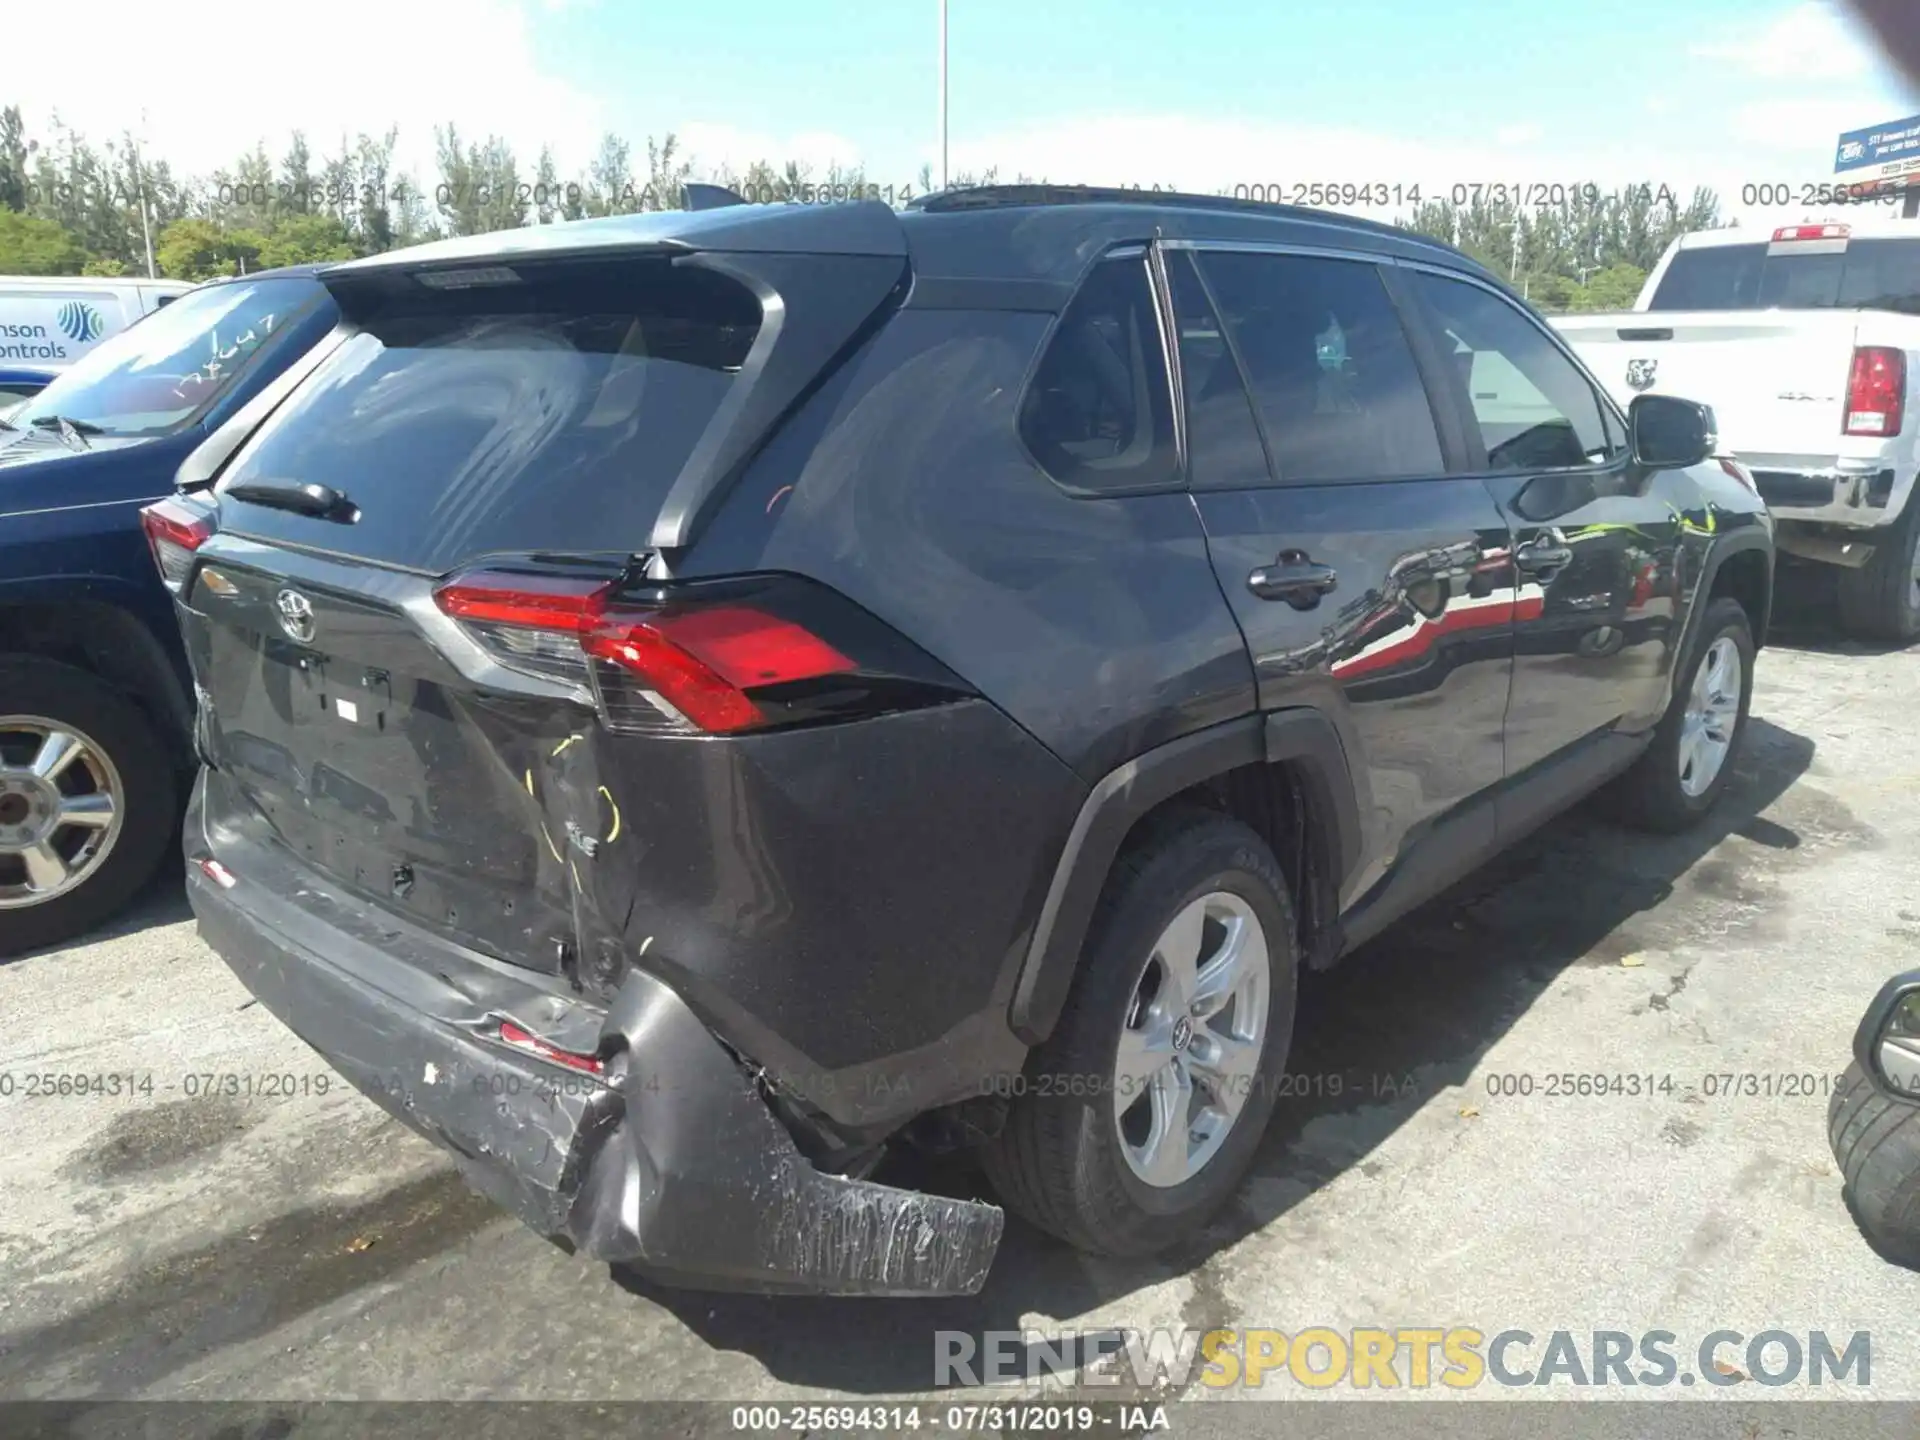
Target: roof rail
{"x":989,"y":197}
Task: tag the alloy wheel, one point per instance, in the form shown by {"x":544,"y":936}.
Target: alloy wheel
{"x":61,"y":806}
{"x":1189,"y":1048}
{"x":1712,"y":716}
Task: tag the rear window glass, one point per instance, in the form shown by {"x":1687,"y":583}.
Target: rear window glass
{"x":550,"y":412}
{"x":163,"y":371}
{"x":1099,"y":413}
{"x":1880,"y":274}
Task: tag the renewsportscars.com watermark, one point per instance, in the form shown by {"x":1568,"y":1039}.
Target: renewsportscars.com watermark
{"x":1457,"y":1357}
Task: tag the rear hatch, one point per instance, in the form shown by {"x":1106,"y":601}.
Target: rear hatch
{"x":393,"y":630}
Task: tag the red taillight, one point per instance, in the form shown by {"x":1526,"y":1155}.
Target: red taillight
{"x":512,"y":1034}
{"x":1877,"y":391}
{"x":697,"y":663}
{"x":539,"y":602}
{"x":1812,"y":232}
{"x":703,"y":662}
{"x":174,"y":531}
{"x":1739,"y":472}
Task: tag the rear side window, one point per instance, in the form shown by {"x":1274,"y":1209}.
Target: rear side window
{"x":550,"y":412}
{"x":1333,"y":377}
{"x":1879,"y":274}
{"x":1882,"y":275}
{"x":1098,"y":415}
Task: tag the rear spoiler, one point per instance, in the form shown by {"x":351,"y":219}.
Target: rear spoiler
{"x":820,"y":272}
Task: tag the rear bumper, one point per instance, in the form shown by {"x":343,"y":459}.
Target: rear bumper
{"x":1856,"y":497}
{"x":670,"y":1161}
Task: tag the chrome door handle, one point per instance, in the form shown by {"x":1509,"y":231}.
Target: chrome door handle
{"x":1543,"y":556}
{"x":1294,"y":577}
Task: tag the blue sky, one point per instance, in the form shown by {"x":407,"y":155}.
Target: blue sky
{"x":1202,"y":94}
{"x":1642,"y":89}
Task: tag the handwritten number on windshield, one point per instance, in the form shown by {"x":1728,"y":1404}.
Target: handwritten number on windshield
{"x":218,"y":362}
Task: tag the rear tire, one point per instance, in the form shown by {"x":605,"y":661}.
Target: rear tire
{"x":1657,"y":794}
{"x":1876,"y":1142}
{"x":1881,"y":599}
{"x":86,"y":705}
{"x":1066,"y":1159}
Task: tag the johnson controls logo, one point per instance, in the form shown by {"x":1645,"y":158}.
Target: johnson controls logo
{"x":80,"y":322}
{"x":29,"y":342}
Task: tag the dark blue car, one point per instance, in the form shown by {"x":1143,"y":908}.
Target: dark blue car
{"x":96,"y":705}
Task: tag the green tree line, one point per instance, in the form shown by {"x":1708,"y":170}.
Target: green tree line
{"x":70,"y":206}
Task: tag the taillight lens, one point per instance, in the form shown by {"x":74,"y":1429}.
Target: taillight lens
{"x":716,"y":659}
{"x":703,"y":663}
{"x":1739,"y":472}
{"x":522,"y":1039}
{"x":1877,"y":391}
{"x":174,"y":531}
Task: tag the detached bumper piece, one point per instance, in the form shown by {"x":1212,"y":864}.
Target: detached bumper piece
{"x":668,"y":1160}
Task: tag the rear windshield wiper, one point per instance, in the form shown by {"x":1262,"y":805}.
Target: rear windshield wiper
{"x":323,"y":502}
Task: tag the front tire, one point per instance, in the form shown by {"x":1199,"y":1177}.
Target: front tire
{"x":1138,"y":1116}
{"x":87,"y":802}
{"x":1881,"y":599}
{"x":1876,"y":1143}
{"x":1683,"y":773}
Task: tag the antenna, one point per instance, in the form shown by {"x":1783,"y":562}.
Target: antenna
{"x":711,"y":197}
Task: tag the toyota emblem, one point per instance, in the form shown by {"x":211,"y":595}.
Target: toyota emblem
{"x":296,"y":614}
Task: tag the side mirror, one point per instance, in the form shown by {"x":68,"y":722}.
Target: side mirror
{"x":1668,"y":433}
{"x":1887,"y":1044}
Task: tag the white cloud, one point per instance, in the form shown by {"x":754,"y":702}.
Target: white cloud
{"x":1727,"y":150}
{"x":239,"y":73}
{"x":1812,"y":41}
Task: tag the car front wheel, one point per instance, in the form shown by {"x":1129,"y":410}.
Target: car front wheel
{"x":86,"y":802}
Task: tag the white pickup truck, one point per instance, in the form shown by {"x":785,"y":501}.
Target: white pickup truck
{"x":1806,"y":343}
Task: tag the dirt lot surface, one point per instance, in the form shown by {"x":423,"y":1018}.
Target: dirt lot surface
{"x":193,"y":1243}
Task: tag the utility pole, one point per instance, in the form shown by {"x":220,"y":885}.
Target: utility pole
{"x":943,"y":94}
{"x":140,"y":186}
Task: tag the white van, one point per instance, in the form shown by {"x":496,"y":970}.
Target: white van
{"x":52,"y":321}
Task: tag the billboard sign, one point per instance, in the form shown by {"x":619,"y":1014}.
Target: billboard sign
{"x":1880,"y":152}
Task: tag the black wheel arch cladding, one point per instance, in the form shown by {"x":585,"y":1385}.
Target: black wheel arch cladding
{"x":1303,"y":738}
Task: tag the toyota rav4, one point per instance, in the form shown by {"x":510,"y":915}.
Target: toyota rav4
{"x":689,"y":701}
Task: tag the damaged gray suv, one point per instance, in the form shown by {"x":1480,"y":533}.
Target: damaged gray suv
{"x":689,"y":702}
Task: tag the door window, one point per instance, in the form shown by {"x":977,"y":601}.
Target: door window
{"x":1223,"y":442}
{"x":1534,"y":409}
{"x":1333,"y":377}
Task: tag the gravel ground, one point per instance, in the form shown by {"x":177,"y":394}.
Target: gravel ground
{"x":175,"y":1243}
